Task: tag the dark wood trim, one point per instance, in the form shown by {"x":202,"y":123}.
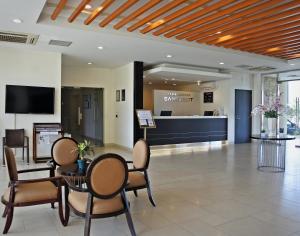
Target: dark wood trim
{"x":138,"y":89}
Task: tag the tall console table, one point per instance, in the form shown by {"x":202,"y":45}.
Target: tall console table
{"x":46,"y":133}
{"x":271,"y":152}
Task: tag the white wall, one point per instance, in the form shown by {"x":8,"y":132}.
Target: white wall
{"x":123,"y":123}
{"x":21,"y":67}
{"x":95,"y":78}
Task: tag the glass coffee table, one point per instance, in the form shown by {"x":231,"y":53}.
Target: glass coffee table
{"x":271,"y":152}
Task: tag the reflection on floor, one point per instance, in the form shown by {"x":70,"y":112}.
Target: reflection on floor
{"x":215,"y":191}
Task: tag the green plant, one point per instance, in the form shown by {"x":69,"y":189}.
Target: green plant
{"x":263,"y":131}
{"x":84,"y":148}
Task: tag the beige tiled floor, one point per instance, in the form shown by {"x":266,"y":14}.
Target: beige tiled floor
{"x":199,"y":191}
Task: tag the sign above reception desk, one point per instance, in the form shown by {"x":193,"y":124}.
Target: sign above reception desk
{"x":181,"y":103}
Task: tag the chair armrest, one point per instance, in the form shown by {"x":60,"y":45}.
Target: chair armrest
{"x":34,"y":170}
{"x":136,"y":169}
{"x":50,"y":163}
{"x":74,"y":187}
{"x":27,"y":181}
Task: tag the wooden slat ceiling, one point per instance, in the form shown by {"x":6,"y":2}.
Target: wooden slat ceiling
{"x":267,"y":27}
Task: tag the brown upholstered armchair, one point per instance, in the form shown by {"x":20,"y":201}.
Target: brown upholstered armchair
{"x":15,"y":138}
{"x":104,"y":196}
{"x":21,"y":193}
{"x":63,"y":152}
{"x":138,"y":176}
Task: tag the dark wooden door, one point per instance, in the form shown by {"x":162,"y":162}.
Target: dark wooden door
{"x":243,"y":107}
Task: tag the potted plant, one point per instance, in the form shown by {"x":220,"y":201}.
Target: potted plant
{"x":271,"y":112}
{"x":263,"y":133}
{"x":84,"y":148}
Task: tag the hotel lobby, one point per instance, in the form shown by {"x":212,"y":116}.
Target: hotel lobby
{"x":186,"y":114}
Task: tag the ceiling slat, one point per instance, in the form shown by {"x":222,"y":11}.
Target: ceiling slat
{"x":117,"y":12}
{"x":250,"y":27}
{"x":193,"y":16}
{"x":270,"y":43}
{"x":98,"y":11}
{"x":267,"y":32}
{"x":284,"y":50}
{"x":210,"y":18}
{"x":174,"y":15}
{"x":60,"y":6}
{"x":137,"y":13}
{"x":229,"y":22}
{"x":279,"y":23}
{"x":78,"y":10}
{"x":284,"y":33}
{"x":155,"y":14}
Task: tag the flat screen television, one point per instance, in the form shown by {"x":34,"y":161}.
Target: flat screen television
{"x":28,"y":99}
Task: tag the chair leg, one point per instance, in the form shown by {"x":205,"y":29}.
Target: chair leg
{"x":27,"y":154}
{"x":23,"y":153}
{"x":149,"y":189}
{"x":52,"y":205}
{"x":5,"y":211}
{"x":67,"y":208}
{"x":135,"y":193}
{"x":61,"y":213}
{"x":130,"y":223}
{"x":89,"y":209}
{"x":3,"y":157}
{"x":9,"y":219}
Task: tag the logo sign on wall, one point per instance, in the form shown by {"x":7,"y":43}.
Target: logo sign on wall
{"x":178,"y":97}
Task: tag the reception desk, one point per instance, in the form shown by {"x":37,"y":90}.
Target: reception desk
{"x":187,"y":129}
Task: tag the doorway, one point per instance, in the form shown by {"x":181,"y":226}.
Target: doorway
{"x":82,"y":113}
{"x":243,"y":106}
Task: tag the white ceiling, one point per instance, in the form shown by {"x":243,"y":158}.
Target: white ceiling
{"x":119,"y":47}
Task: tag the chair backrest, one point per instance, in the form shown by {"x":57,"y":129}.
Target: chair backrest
{"x":11,"y":164}
{"x":107,"y":175}
{"x":141,"y":154}
{"x":64,"y":151}
{"x":14,"y":137}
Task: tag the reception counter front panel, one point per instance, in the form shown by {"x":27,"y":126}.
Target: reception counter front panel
{"x":187,"y":129}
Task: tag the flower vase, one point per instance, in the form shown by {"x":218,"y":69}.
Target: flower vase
{"x":272,"y":126}
{"x":81,"y":165}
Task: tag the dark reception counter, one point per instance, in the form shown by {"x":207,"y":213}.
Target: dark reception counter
{"x":187,"y":129}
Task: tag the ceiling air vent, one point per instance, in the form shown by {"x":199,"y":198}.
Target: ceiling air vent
{"x":258,"y":68}
{"x":244,"y":66}
{"x":262,"y":68}
{"x":12,"y":37}
{"x":60,"y":43}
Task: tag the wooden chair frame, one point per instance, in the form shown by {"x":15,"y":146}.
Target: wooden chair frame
{"x":145,"y":172}
{"x":25,"y":145}
{"x":91,"y":194}
{"x":10,"y":205}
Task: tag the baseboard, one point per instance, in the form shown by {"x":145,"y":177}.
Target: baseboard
{"x":118,"y":146}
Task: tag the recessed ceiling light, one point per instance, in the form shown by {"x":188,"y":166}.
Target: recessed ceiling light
{"x":17,"y":21}
{"x":144,"y":76}
{"x":150,"y":82}
{"x":88,"y":6}
{"x":174,"y":84}
{"x":166,"y":82}
{"x":292,"y":64}
{"x":198,"y":82}
{"x":221,"y":63}
{"x":90,"y":63}
{"x":100,"y":47}
{"x":169,"y":56}
{"x":173,"y":79}
{"x":219,"y":32}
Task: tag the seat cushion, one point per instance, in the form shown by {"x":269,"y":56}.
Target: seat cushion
{"x":32,"y":192}
{"x":136,"y":179}
{"x":78,"y":201}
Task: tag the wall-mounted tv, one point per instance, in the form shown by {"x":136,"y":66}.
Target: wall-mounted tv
{"x":28,"y":99}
